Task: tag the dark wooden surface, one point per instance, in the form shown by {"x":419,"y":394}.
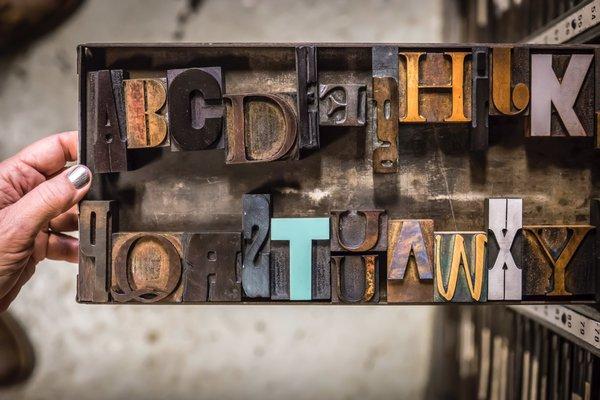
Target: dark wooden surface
{"x":438,"y":176}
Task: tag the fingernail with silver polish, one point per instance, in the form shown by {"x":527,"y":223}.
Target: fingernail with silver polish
{"x":79,"y":176}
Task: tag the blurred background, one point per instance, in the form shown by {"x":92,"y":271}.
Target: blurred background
{"x":89,"y":352}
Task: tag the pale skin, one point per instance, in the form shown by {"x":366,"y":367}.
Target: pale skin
{"x":38,"y":204}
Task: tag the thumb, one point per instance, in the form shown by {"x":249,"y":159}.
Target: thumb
{"x":51,"y":198}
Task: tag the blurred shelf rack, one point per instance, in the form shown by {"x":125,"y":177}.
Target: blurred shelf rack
{"x":532,"y":21}
{"x":517,"y":351}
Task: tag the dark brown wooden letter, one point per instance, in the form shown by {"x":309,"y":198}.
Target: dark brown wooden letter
{"x":212,"y":267}
{"x":96,"y":223}
{"x":355,"y":279}
{"x":260,"y":127}
{"x":109,"y":137}
{"x":358,"y":231}
{"x":195,"y":107}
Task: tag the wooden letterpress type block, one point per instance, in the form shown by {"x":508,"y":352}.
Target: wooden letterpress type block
{"x":280,"y":270}
{"x":558,"y":262}
{"x":358,"y":231}
{"x":256,"y":220}
{"x":261,"y":127}
{"x":342,"y":104}
{"x":320,"y":275}
{"x":510,"y":80}
{"x":212,"y":267}
{"x":308,"y":100}
{"x":435,"y":87}
{"x":505,"y":248}
{"x":460,"y":270}
{"x":410,"y":261}
{"x":597,"y":96}
{"x":195,"y":108}
{"x":300,"y":254}
{"x":355,"y":279}
{"x":562,"y":95}
{"x":97,"y":219}
{"x":109,"y":138}
{"x":385,"y":96}
{"x":321,"y":270}
{"x":145,"y":101}
{"x":146,"y":267}
{"x":480,"y":99}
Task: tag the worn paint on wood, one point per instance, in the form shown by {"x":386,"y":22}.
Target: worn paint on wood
{"x":435,"y":87}
{"x":196,"y":109}
{"x":358,"y":231}
{"x":261,"y":128}
{"x":256,"y":220}
{"x":355,"y":279}
{"x":145,"y":101}
{"x":460,"y":267}
{"x":107,"y":123}
{"x":146,"y":267}
{"x":343,"y":104}
{"x":505,"y":248}
{"x":510,"y":80}
{"x":97,"y":219}
{"x":558,"y":261}
{"x":308,"y":256}
{"x":562,"y":104}
{"x":212,"y":262}
{"x":410,"y":261}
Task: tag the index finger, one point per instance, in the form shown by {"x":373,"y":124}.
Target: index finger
{"x":49,"y":155}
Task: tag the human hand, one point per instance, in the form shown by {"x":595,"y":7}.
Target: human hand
{"x":38,"y":201}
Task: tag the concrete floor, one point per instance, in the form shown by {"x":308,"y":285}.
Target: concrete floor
{"x":177,"y":352}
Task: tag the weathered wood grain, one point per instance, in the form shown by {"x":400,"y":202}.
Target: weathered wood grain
{"x":410,"y":261}
{"x":256,"y":220}
{"x":261,"y":127}
{"x":435,"y":86}
{"x":146,"y":267}
{"x":196,"y":109}
{"x":109,"y":148}
{"x":504,"y":221}
{"x":358,"y":231}
{"x":460,"y":267}
{"x":97,"y":219}
{"x":558,"y":262}
{"x":355,"y":279}
{"x":562,"y":104}
{"x":145,"y":101}
{"x":212,"y":267}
